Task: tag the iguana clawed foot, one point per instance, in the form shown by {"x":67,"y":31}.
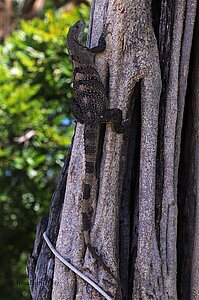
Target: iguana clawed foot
{"x":114,"y":115}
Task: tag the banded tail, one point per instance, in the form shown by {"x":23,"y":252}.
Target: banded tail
{"x":91,"y":135}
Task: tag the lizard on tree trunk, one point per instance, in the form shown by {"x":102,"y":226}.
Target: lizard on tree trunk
{"x":90,"y":108}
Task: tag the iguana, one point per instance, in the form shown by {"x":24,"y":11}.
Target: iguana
{"x":90,"y":108}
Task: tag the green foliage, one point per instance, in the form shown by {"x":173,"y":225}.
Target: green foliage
{"x":36,"y":129}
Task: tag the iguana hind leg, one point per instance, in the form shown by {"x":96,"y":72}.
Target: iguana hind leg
{"x":114,"y":115}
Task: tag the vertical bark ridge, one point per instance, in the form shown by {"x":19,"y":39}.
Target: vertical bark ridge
{"x":142,"y":177}
{"x":188,"y":287}
{"x":174,"y":90}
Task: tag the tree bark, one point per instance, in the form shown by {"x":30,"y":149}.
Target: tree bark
{"x":26,"y":10}
{"x":32,"y":8}
{"x":6,"y":16}
{"x":145,"y":206}
{"x":41,"y":263}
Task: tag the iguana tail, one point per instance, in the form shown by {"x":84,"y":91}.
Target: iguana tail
{"x":91,"y":139}
{"x":91,"y":135}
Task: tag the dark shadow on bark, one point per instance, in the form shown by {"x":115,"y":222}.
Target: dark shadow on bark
{"x":186,"y":185}
{"x":186,"y":206}
{"x":129,"y":201}
{"x":156,"y":11}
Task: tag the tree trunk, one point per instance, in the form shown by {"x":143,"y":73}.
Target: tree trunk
{"x":145,"y":220}
{"x":6,"y":16}
{"x":27,"y":9}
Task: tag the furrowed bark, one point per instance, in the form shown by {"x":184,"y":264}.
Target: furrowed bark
{"x":194,"y":286}
{"x":145,"y":204}
{"x":136,"y":44}
{"x":188,"y":287}
{"x":179,"y":19}
{"x":40,"y":265}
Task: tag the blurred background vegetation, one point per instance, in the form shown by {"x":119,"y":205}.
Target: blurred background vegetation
{"x":36,"y":129}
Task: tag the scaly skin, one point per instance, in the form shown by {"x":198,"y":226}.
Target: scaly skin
{"x":90,"y":108}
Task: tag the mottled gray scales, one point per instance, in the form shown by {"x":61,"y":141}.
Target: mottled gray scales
{"x":90,"y":149}
{"x":87,"y":191}
{"x":90,"y":108}
{"x":90,"y":167}
{"x":89,"y":94}
{"x":86,"y":221}
{"x":90,"y":134}
{"x":85,"y":70}
{"x":90,"y":82}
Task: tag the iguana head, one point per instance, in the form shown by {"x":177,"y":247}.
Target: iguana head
{"x":76,"y":31}
{"x":77,"y":51}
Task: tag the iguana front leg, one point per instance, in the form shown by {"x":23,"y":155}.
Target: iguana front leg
{"x":77,"y":112}
{"x":100,"y":47}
